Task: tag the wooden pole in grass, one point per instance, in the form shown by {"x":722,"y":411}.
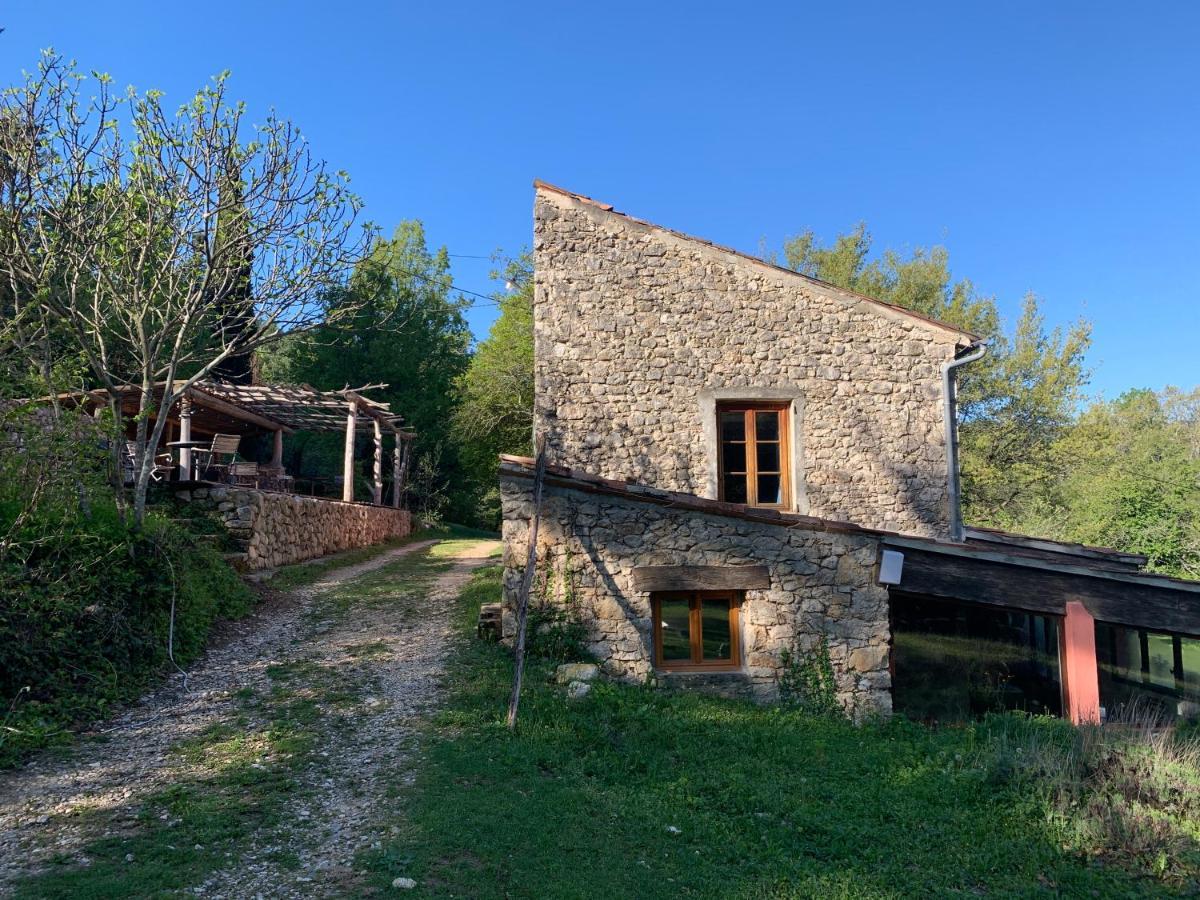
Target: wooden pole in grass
{"x":539,"y":476}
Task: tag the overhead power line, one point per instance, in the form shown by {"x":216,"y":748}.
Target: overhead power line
{"x":485,"y":298}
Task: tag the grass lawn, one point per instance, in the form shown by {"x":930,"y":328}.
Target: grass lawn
{"x":633,"y":792}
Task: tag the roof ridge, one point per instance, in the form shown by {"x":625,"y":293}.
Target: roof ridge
{"x":538,"y":184}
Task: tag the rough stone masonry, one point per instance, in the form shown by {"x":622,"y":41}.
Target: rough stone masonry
{"x":639,"y":334}
{"x":639,"y":331}
{"x":822,"y":584}
{"x":277,"y":529}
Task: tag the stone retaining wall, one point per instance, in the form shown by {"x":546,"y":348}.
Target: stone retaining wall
{"x":278,"y":529}
{"x":822,"y":585}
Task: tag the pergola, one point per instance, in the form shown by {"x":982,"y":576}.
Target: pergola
{"x":212,"y":407}
{"x":303,"y":408}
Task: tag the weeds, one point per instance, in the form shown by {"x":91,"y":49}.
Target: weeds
{"x":1127,"y":791}
{"x":807,"y":682}
{"x":556,"y":630}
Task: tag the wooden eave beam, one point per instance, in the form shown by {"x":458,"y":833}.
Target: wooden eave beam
{"x":1157,"y":604}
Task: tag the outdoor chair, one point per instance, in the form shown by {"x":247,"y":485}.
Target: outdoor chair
{"x":219,"y":456}
{"x":244,"y":474}
{"x":274,"y":478}
{"x":163,"y":464}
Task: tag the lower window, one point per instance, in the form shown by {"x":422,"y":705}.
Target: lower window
{"x":1147,"y":674}
{"x":696,"y":630}
{"x":957,"y":661}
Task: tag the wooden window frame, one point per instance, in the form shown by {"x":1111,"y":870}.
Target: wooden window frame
{"x":696,"y":632}
{"x":749,"y":408}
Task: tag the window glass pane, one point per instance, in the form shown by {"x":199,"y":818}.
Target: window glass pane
{"x":1191,"y":668}
{"x":768,"y":457}
{"x":715,"y":633}
{"x":733,"y":426}
{"x":955,"y":661}
{"x":766,"y":425}
{"x":769,"y":490}
{"x":733,"y":456}
{"x":676,"y":631}
{"x":1137,"y":677}
{"x":735,"y":488}
{"x":1162,"y":660}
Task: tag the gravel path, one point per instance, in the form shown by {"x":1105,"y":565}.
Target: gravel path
{"x":369,"y":667}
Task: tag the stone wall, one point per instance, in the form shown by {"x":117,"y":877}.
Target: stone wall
{"x":278,"y":529}
{"x":640,"y":331}
{"x":822,"y":585}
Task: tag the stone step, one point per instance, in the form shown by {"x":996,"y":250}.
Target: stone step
{"x":491,"y":619}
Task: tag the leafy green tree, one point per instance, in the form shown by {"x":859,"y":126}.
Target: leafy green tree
{"x":1131,"y":479}
{"x":1013,"y":404}
{"x":115,"y":223}
{"x":495,"y":413}
{"x":397,"y":323}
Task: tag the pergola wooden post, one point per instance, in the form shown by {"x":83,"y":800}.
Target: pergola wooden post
{"x":277,"y":453}
{"x":377,"y":487}
{"x":185,"y":434}
{"x":348,"y":457}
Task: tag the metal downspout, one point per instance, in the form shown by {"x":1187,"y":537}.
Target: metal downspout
{"x":950,"y":420}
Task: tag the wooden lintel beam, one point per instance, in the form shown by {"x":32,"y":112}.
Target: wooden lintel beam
{"x":701,"y":578}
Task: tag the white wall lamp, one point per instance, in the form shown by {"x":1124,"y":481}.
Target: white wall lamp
{"x":891,"y":567}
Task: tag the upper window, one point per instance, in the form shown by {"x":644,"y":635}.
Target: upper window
{"x":753,"y":457}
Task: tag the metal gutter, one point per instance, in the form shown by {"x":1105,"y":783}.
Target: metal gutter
{"x":950,"y":421}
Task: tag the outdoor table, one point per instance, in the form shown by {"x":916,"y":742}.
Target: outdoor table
{"x":183,"y":446}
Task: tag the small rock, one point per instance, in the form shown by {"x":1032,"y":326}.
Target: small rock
{"x":404,"y":884}
{"x":577,"y":690}
{"x":569,"y":672}
{"x":128,"y":857}
{"x":671,"y":829}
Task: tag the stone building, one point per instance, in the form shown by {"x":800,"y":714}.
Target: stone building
{"x":747,"y":465}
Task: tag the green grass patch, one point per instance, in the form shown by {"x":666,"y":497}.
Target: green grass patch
{"x":639,"y":793}
{"x":401,"y":584}
{"x":180,"y":835}
{"x":306,"y":573}
{"x":369,"y":650}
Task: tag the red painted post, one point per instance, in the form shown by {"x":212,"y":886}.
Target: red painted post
{"x":1081,"y":674}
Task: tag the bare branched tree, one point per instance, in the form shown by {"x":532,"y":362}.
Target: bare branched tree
{"x":136,"y":228}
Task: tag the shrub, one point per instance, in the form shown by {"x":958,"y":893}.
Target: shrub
{"x":86,"y":614}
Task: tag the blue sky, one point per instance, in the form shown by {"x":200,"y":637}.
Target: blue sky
{"x":1052,"y":147}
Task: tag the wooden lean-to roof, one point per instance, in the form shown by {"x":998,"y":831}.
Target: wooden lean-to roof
{"x":300,"y":407}
{"x":218,"y":406}
{"x":990,"y":567}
